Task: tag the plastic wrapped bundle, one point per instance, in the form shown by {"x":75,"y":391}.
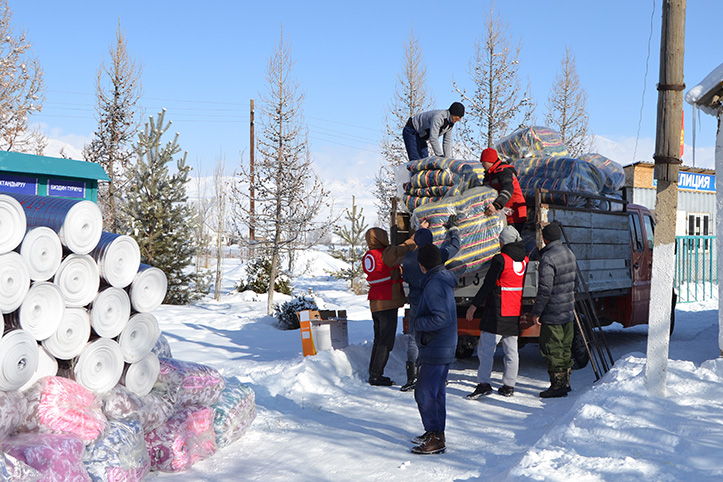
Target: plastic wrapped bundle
{"x":119,"y":455}
{"x":14,"y":281}
{"x":79,"y":223}
{"x":162,"y":348}
{"x":42,"y":252}
{"x":533,"y":141}
{"x":188,"y":383}
{"x":152,"y":410}
{"x":78,"y":279}
{"x":182,"y":441}
{"x":42,"y":310}
{"x":148,"y":289}
{"x":478,"y":232}
{"x":613,"y":172}
{"x":12,"y":223}
{"x":434,"y":178}
{"x":110,"y":311}
{"x":234,"y":412}
{"x":559,"y":174}
{"x":19,"y":356}
{"x":11,"y":469}
{"x":60,"y":405}
{"x":13,"y":410}
{"x":99,"y":366}
{"x":58,"y":457}
{"x":118,"y":257}
{"x":47,"y":367}
{"x":71,"y":336}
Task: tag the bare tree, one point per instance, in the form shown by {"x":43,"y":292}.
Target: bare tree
{"x":566,"y":108}
{"x":288,"y":193}
{"x":495,"y":104}
{"x":118,"y":90}
{"x":202,"y":220}
{"x":21,"y":89}
{"x":410,"y":98}
{"x":220,"y":202}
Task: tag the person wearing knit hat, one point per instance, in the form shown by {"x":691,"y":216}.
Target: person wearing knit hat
{"x":500,"y":300}
{"x":503,"y":178}
{"x":436,"y":335}
{"x":428,"y":127}
{"x":554,"y":309}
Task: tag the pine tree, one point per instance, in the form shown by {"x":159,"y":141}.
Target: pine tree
{"x":112,"y":145}
{"x":410,"y":98}
{"x":21,"y":94}
{"x":354,"y":247}
{"x":159,"y":215}
{"x":494,"y":106}
{"x":566,"y":111}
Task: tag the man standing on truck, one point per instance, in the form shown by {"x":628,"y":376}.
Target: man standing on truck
{"x":503,"y":178}
{"x":381,"y":265}
{"x":554,"y":309}
{"x":413,"y":275}
{"x":501,"y":297}
{"x":428,"y":126}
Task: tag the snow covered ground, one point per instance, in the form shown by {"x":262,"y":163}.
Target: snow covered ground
{"x":319,"y":420}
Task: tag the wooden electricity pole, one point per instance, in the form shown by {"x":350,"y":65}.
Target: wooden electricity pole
{"x":252,"y":188}
{"x":667,"y":162}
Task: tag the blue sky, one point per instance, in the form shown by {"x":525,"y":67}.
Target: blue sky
{"x":203,"y":61}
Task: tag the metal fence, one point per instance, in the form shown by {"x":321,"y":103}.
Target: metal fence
{"x":696,"y":273}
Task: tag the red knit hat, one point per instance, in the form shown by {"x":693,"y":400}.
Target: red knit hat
{"x":488,"y":155}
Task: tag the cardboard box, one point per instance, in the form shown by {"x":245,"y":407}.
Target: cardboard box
{"x":323,"y":330}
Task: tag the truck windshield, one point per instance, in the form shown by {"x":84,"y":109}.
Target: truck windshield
{"x":649,"y":230}
{"x":636,"y":232}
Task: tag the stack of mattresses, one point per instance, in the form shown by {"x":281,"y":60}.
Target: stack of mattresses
{"x":536,"y":141}
{"x":612,"y":171}
{"x":478,"y":232}
{"x":434,"y":178}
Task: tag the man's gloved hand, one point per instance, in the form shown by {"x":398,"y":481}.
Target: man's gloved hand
{"x":451,"y":222}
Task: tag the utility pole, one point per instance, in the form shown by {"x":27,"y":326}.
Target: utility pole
{"x":252,"y":182}
{"x":667,"y":162}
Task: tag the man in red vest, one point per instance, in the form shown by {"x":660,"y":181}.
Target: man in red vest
{"x":503,"y":178}
{"x":501,"y":297}
{"x":386,"y":296}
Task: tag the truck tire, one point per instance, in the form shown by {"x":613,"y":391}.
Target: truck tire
{"x":580,"y":356}
{"x":466,"y":346}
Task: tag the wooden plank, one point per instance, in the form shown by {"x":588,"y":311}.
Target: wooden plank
{"x":597,"y":236}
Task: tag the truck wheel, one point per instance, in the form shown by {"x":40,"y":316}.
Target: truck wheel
{"x":580,"y":356}
{"x":466,"y":346}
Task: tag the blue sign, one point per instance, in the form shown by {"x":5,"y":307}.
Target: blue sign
{"x":692,"y":181}
{"x":18,"y":184}
{"x":65,"y":188}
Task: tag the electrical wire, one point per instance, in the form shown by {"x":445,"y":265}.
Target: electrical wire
{"x":645,"y":82}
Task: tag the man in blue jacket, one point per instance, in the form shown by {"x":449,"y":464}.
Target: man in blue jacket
{"x":436,"y":326}
{"x":428,"y":126}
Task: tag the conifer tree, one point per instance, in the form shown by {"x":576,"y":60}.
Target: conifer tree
{"x":159,"y":215}
{"x":354,"y":247}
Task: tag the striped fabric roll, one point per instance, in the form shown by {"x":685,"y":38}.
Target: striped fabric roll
{"x":436,"y":178}
{"x":42,"y":252}
{"x":536,"y":141}
{"x":118,"y":257}
{"x":79,"y":223}
{"x":14,"y":281}
{"x":12,"y":223}
{"x":560,"y":174}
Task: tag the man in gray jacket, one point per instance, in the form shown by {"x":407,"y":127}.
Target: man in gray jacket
{"x":554,"y":309}
{"x":428,"y":126}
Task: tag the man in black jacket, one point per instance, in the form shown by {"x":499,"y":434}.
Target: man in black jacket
{"x":501,"y":296}
{"x":554,"y":309}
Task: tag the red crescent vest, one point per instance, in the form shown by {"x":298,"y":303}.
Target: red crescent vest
{"x":517,"y":200}
{"x":379,"y":275}
{"x":511,"y":282}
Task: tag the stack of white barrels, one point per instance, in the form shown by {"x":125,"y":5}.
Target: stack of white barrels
{"x":75,"y":300}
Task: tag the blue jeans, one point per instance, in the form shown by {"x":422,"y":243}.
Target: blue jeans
{"x":431,"y":395}
{"x":416,"y":146}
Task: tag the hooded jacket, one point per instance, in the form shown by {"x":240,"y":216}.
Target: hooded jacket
{"x":392,"y":256}
{"x":503,"y":178}
{"x":557,"y":274}
{"x":436,"y":322}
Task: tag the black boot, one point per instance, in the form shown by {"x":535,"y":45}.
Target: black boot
{"x":411,"y":377}
{"x":558,"y":386}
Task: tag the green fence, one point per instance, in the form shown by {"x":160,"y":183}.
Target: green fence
{"x":696,"y":272}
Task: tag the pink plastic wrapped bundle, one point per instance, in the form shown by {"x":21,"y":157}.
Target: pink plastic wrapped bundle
{"x":13,"y":410}
{"x":182,"y":441}
{"x":17,"y":471}
{"x":119,"y":455}
{"x":60,"y":405}
{"x":152,"y":410}
{"x":57,"y":456}
{"x":188,"y":383}
{"x":234,"y":412}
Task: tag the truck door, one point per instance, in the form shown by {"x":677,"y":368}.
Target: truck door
{"x":641,"y":231}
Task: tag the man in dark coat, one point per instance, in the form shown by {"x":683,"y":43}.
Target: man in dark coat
{"x":436,"y":325}
{"x":554,"y":309}
{"x":501,"y":297}
{"x":503,"y":178}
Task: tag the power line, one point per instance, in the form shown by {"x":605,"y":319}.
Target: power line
{"x":645,"y":82}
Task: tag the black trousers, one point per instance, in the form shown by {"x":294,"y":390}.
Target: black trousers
{"x":385,"y":331}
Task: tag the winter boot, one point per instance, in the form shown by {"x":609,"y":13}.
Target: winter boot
{"x":433,"y":445}
{"x":411,"y":377}
{"x":506,"y":391}
{"x":420,"y":439}
{"x":481,"y":390}
{"x":557,"y":388}
{"x":381,"y":381}
{"x":567,"y":380}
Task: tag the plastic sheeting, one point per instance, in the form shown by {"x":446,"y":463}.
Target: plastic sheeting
{"x":611,"y":170}
{"x":536,"y":141}
{"x":57,"y":456}
{"x":13,"y":410}
{"x":559,"y":174}
{"x":152,"y":410}
{"x":11,"y":469}
{"x":182,"y":441}
{"x":234,"y":412}
{"x":188,"y":383}
{"x":119,"y":455}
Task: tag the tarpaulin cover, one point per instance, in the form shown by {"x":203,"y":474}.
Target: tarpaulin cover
{"x":119,"y":455}
{"x":613,"y":172}
{"x":182,"y":441}
{"x":188,"y":383}
{"x":234,"y":412}
{"x":478,"y":232}
{"x":560,"y":174}
{"x":152,"y":410}
{"x":13,"y":410}
{"x":536,"y":141}
{"x":57,"y":456}
{"x":60,"y":405}
{"x":12,"y":469}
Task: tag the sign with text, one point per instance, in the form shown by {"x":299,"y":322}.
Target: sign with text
{"x":66,"y":188}
{"x":18,"y":184}
{"x":693,"y":181}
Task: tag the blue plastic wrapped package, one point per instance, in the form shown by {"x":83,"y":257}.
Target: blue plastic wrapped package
{"x":613,"y":172}
{"x":120,"y":454}
{"x":234,"y":412}
{"x":536,"y":141}
{"x":559,"y":174}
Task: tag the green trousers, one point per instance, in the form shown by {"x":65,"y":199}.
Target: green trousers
{"x":556,"y":346}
